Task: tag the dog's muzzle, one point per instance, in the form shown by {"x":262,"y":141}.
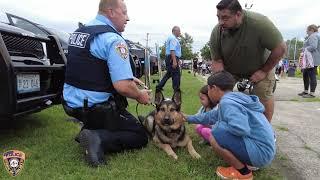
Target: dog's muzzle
{"x":167,"y":122}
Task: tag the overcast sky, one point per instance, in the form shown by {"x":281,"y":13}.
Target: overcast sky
{"x":157,"y":17}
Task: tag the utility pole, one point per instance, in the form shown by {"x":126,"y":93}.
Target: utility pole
{"x":295,"y":50}
{"x":147,"y":63}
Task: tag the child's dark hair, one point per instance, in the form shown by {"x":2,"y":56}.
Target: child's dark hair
{"x":204,"y":90}
{"x":223,"y":80}
{"x":232,"y":5}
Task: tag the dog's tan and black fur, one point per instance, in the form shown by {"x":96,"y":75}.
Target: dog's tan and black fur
{"x":166,"y":125}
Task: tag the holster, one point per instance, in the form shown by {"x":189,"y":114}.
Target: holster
{"x":104,"y":115}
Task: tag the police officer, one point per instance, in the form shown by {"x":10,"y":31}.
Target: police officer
{"x":173,"y":53}
{"x":98,"y":80}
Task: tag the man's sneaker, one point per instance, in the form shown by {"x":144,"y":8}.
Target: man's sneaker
{"x":232,"y":173}
{"x":90,"y":142}
{"x":308,"y":96}
{"x":302,"y":93}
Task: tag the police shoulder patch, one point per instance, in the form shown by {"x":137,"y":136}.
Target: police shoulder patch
{"x":122,"y":50}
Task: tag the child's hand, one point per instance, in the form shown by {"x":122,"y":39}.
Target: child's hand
{"x":184,"y":116}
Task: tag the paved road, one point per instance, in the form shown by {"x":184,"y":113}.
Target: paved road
{"x":297,"y":125}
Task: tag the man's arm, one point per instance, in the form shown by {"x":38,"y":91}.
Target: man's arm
{"x":174,"y":59}
{"x":129,"y":89}
{"x":274,"y":58}
{"x":271,"y":39}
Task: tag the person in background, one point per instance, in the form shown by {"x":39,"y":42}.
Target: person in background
{"x":311,"y":44}
{"x":248,"y":45}
{"x":173,"y":53}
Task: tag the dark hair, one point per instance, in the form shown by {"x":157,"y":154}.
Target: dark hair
{"x":204,"y":90}
{"x":233,"y":5}
{"x":223,"y":80}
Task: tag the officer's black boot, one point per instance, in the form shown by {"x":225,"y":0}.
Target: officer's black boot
{"x":91,"y":143}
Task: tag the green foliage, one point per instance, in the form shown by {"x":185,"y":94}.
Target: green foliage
{"x":205,"y":52}
{"x":163,"y":51}
{"x":51,"y":152}
{"x":186,"y":46}
{"x":291,"y":48}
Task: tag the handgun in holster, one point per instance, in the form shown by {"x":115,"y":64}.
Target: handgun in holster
{"x":105,"y":115}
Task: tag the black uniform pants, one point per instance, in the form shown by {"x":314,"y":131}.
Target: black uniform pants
{"x":117,"y":129}
{"x":129,"y":135}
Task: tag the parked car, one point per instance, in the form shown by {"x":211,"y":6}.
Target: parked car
{"x":39,"y":29}
{"x":31,"y":71}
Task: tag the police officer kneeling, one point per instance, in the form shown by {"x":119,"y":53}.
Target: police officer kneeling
{"x":98,"y":80}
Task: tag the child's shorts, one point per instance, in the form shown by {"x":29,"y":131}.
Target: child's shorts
{"x":234,"y":144}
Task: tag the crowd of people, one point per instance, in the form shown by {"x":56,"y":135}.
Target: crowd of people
{"x":237,"y":126}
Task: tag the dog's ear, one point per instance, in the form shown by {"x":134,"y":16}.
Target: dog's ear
{"x":158,"y":98}
{"x":176,"y":98}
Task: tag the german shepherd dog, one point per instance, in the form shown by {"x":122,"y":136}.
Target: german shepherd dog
{"x":165,"y":125}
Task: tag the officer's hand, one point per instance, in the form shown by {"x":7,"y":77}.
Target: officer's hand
{"x":139,"y":83}
{"x":144,"y":97}
{"x":217,"y":66}
{"x":258,"y":76}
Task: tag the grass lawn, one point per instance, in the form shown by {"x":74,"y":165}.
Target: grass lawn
{"x":51,"y":152}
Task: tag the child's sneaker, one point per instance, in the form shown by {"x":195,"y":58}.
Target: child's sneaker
{"x":232,"y":173}
{"x":252,"y":168}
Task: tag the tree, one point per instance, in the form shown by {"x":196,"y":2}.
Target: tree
{"x":205,"y":52}
{"x":291,"y":55}
{"x":163,"y":51}
{"x":186,"y":46}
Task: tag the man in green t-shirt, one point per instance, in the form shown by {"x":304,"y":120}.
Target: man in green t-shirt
{"x":248,"y":45}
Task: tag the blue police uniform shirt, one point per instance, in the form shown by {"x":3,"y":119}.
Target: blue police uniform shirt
{"x":173,"y":44}
{"x":109,"y":47}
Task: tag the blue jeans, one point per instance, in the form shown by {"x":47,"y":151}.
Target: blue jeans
{"x":234,"y":144}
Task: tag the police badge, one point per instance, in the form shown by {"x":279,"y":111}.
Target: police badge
{"x":122,"y":50}
{"x":13,"y":161}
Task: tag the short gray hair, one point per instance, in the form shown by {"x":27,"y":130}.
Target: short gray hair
{"x":107,"y":4}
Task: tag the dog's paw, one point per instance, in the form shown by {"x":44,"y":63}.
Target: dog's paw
{"x":174,"y":156}
{"x":196,"y":156}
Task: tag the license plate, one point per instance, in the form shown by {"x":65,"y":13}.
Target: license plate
{"x":28,"y":83}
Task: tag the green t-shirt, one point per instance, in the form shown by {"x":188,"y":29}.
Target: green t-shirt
{"x":246,"y":49}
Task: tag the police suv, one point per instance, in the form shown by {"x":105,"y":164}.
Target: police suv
{"x":31,"y":71}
